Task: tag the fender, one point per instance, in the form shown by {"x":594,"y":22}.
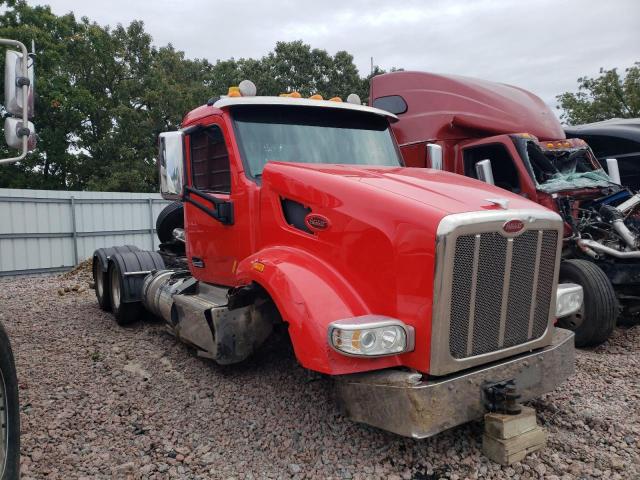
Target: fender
{"x":309,"y":295}
{"x":102,"y":255}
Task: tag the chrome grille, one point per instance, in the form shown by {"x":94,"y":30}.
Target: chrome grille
{"x":501,"y":290}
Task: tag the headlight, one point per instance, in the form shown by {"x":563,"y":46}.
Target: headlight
{"x":569,"y":299}
{"x":371,"y":336}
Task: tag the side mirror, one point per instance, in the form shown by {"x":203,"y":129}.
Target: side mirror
{"x":434,"y":155}
{"x":18,"y":99}
{"x":14,"y":131}
{"x":171,"y":164}
{"x":14,"y":80}
{"x":484,"y":171}
{"x":613,"y":170}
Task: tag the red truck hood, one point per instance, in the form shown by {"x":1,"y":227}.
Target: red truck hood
{"x":443,"y":191}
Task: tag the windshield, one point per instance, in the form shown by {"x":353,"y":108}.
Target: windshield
{"x":312,"y":135}
{"x":561,"y":169}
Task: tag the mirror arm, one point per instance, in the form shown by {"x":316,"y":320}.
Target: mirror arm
{"x":25,"y":98}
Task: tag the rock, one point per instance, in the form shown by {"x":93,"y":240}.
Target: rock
{"x":208,"y":458}
{"x":617,"y":464}
{"x":137,"y":369}
{"x":294,"y":468}
{"x":125,"y":467}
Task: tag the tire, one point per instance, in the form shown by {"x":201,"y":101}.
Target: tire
{"x":595,"y":321}
{"x":125,"y":292}
{"x":101,"y":277}
{"x":10,"y":412}
{"x":124,"y":313}
{"x":172,"y":216}
{"x":101,"y":286}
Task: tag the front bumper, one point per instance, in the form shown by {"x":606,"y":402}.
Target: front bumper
{"x":401,"y":402}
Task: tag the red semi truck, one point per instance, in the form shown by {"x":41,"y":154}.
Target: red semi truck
{"x":508,"y":137}
{"x":423,"y":293}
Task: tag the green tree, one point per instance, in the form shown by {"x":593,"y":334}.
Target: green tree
{"x":104,"y":94}
{"x":610,"y":95}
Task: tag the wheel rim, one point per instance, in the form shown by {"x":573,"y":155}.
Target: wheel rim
{"x":99,"y":276}
{"x":574,"y":321}
{"x":4,"y":429}
{"x":115,"y":288}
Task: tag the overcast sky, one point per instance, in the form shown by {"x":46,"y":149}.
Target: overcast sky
{"x":540,"y":45}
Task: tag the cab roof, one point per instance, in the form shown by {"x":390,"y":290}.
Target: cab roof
{"x":457,"y":107}
{"x":227,"y":102}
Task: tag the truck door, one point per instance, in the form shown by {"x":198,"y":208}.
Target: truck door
{"x":213,"y":237}
{"x":509,"y":171}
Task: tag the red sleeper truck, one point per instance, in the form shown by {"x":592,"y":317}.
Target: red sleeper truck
{"x":417,"y":290}
{"x":509,"y":137}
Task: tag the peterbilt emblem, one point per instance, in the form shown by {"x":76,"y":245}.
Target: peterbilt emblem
{"x":513,"y":226}
{"x":316,"y":222}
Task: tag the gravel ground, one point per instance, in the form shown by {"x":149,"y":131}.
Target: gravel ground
{"x":100,"y":401}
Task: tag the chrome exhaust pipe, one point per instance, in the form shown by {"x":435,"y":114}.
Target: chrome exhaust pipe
{"x":600,"y":248}
{"x":626,"y":234}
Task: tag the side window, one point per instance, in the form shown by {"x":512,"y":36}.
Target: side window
{"x":505,"y":173}
{"x":210,"y":161}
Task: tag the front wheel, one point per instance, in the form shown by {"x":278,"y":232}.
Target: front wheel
{"x":9,"y":412}
{"x":595,"y":321}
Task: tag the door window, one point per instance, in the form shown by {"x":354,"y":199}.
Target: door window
{"x":505,"y":173}
{"x":210,"y":170}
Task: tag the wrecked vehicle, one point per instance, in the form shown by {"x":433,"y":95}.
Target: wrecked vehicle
{"x":409,"y":287}
{"x":508,"y":137}
{"x":617,"y":138}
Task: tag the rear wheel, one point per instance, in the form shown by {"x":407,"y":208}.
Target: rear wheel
{"x":101,"y":283}
{"x":125,"y":313}
{"x":595,"y":321}
{"x":100,"y":274}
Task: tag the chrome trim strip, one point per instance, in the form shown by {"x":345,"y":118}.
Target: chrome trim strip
{"x":534,"y":286}
{"x":506,"y":280}
{"x":473,"y":223}
{"x":472,"y":303}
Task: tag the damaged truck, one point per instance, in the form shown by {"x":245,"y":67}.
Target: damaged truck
{"x":427,"y":296}
{"x":508,"y":137}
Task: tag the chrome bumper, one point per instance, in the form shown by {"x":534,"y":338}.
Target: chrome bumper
{"x":401,"y":402}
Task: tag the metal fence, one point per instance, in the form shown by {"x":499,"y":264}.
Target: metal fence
{"x":47,"y":231}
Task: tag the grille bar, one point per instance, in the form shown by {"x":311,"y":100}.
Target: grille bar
{"x":505,"y":291}
{"x":474,"y":286}
{"x":536,"y":272}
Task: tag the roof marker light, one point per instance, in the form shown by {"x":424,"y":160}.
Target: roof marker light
{"x":335,"y":99}
{"x":247,"y":88}
{"x":234,"y":92}
{"x":295,"y":94}
{"x":354,"y":98}
{"x":315,"y":97}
